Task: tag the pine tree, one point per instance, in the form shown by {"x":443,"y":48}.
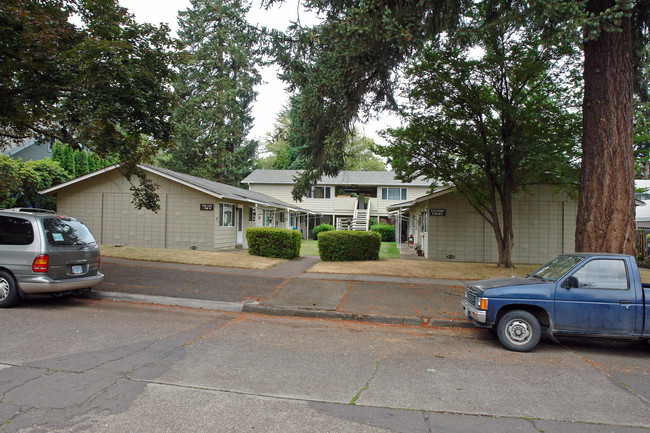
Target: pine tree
{"x":80,"y":162}
{"x":67,"y":159}
{"x":215,"y":86}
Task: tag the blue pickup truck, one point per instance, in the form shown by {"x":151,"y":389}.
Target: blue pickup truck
{"x":581,"y":294}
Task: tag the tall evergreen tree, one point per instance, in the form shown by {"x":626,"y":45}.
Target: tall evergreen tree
{"x":215,"y":86}
{"x":347,"y":63}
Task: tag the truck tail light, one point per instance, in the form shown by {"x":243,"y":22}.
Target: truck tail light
{"x":41,"y":263}
{"x":484,"y":303}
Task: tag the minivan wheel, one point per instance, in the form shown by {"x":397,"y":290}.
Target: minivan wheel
{"x":8,"y":290}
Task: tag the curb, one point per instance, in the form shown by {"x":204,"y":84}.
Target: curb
{"x":357,"y":317}
{"x":236,"y":307}
{"x":232,"y":307}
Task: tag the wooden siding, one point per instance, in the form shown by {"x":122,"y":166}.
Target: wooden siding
{"x":543,"y":224}
{"x":336,"y":205}
{"x":103,"y":203}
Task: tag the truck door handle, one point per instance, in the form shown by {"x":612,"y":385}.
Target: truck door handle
{"x":624,"y":301}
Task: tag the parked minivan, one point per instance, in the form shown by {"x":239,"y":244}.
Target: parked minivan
{"x":41,"y":252}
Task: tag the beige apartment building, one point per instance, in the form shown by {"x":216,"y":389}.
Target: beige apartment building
{"x":448,"y":228}
{"x":194,"y":213}
{"x":349,"y":199}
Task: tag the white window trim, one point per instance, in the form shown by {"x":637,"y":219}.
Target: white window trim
{"x":403,"y":193}
{"x":222,"y":207}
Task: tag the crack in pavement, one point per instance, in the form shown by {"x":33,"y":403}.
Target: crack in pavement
{"x":367,"y":385}
{"x":49,"y":394}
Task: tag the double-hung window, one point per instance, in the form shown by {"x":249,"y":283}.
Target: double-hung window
{"x":393,"y":194}
{"x":226,"y":212}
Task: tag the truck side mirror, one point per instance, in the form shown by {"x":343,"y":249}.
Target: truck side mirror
{"x":572,"y":283}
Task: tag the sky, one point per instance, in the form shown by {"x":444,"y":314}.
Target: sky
{"x":272,"y":96}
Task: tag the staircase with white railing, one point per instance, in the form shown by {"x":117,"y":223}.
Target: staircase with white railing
{"x":360,"y":220}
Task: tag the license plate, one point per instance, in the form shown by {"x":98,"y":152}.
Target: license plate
{"x":77,"y":269}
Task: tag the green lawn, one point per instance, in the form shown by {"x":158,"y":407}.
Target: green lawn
{"x":388,"y":249}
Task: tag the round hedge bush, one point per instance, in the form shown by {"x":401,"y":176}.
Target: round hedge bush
{"x":319,"y":229}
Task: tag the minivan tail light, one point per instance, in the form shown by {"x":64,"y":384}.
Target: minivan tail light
{"x":41,"y":263}
{"x":99,"y":260}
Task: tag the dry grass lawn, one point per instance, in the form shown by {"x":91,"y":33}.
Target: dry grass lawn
{"x":389,"y":267}
{"x":423,"y":269}
{"x":236,"y":259}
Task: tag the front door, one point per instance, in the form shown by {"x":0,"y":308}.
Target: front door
{"x":240,"y":226}
{"x":602,"y":303}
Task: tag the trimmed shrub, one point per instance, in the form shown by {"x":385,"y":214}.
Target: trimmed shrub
{"x":386,"y":231}
{"x":343,"y":245}
{"x":319,"y":229}
{"x":272,"y":242}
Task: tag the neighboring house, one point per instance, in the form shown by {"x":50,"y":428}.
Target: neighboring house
{"x":448,"y":228}
{"x":643,"y":203}
{"x":29,"y":150}
{"x":194,"y":213}
{"x":349,"y":199}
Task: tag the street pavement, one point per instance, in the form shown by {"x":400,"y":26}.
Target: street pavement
{"x":286,"y":290}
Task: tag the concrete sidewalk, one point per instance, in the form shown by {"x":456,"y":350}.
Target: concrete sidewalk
{"x":286,"y":290}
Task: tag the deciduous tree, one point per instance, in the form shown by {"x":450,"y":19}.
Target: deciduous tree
{"x":493,"y":111}
{"x":347,"y":64}
{"x":105,"y":84}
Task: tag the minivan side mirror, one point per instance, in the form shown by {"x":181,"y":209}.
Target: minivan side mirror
{"x":572,"y":283}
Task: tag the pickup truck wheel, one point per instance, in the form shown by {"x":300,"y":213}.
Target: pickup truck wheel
{"x":8,"y":290}
{"x":519,"y":331}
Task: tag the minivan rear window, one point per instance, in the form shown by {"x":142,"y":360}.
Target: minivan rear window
{"x":59,"y":231}
{"x":15,"y":231}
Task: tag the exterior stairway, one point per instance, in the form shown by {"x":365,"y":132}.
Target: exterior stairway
{"x":360,"y":221}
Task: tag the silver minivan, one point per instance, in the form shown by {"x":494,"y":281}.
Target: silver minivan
{"x":41,"y":252}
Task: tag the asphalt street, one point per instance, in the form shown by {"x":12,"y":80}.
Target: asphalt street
{"x":72,"y":365}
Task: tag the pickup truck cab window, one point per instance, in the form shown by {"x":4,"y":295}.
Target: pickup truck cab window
{"x":602,"y":274}
{"x":600,"y":304}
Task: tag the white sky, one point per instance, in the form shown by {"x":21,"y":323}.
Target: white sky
{"x":272,"y":96}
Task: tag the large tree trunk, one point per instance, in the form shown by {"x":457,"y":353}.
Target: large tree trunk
{"x":606,"y":213}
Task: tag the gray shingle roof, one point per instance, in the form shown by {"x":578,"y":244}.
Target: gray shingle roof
{"x":227,"y":191}
{"x":216,"y":188}
{"x":380,"y":178}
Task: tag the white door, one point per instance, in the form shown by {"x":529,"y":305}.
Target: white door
{"x":240,"y":226}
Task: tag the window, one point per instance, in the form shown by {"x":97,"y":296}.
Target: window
{"x":252,"y":214}
{"x":268,"y":218}
{"x":292,"y":219}
{"x":281,"y":217}
{"x":393,"y":194}
{"x":66,"y":232}
{"x":425,"y":220}
{"x":602,"y":274}
{"x":15,"y":231}
{"x":226,"y":212}
{"x":320,"y":192}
